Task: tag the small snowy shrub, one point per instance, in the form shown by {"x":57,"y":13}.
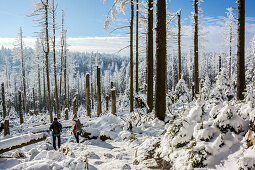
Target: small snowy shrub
{"x":197,"y":157}
{"x":223,"y":90}
{"x":227,"y":119}
{"x":181,"y":93}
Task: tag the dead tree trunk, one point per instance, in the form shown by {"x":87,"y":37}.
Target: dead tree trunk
{"x":23,"y":71}
{"x":3,"y":102}
{"x":107,"y":102}
{"x":240,"y":50}
{"x":46,"y":51}
{"x":6,"y":127}
{"x":219,"y":63}
{"x":131,"y":58}
{"x":136,"y":48}
{"x":34,"y":98}
{"x":179,"y":46}
{"x":196,"y":71}
{"x":61,"y":61}
{"x":149,"y":58}
{"x":88,"y":106}
{"x":54,"y":59}
{"x":75,"y":108}
{"x":113,"y":97}
{"x":20,"y":108}
{"x":99,"y":105}
{"x":160,"y":90}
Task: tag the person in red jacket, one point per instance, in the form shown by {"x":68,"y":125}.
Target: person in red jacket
{"x":76,"y":128}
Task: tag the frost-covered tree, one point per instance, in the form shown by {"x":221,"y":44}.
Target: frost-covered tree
{"x":229,"y":36}
{"x":41,"y":11}
{"x":223,"y":90}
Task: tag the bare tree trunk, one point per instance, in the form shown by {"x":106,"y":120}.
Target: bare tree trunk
{"x":21,"y":120}
{"x":3,"y":102}
{"x":160,"y":90}
{"x":240,"y":50}
{"x":107,"y":102}
{"x":131,"y":58}
{"x":44,"y":91}
{"x":75,"y":107}
{"x":65,"y":75}
{"x":88,"y":106}
{"x":196,"y":71}
{"x":136,"y":49}
{"x":230,"y":53}
{"x":54,"y":59}
{"x":149,"y":60}
{"x":219,"y":63}
{"x":23,"y":71}
{"x":113,"y":96}
{"x":34,"y":99}
{"x":179,"y":46}
{"x":61,"y":60}
{"x":46,"y":6}
{"x":39,"y":89}
{"x":6,"y":127}
{"x":173,"y":73}
{"x":99,"y":105}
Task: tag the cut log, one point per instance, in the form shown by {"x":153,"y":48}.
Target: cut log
{"x":20,"y":141}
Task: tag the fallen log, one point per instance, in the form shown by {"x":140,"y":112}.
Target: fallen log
{"x":20,"y":141}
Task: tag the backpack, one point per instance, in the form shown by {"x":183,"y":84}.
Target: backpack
{"x":78,"y":125}
{"x":56,"y":129}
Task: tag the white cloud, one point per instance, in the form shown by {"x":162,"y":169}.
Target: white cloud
{"x":89,"y":44}
{"x":212,"y":39}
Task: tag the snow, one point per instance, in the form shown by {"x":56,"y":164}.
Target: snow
{"x":18,"y":140}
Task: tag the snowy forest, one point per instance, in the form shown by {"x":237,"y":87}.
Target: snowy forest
{"x":165,"y":105}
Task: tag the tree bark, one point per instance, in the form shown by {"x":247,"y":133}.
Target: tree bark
{"x":136,"y":49}
{"x":23,"y":71}
{"x":219,"y":63}
{"x":46,"y":8}
{"x":131,"y":58}
{"x":6,"y":127}
{"x":88,"y":105}
{"x":54,"y":59}
{"x":240,"y":50}
{"x":149,"y":57}
{"x":179,"y":46}
{"x":3,"y":102}
{"x":99,"y":104}
{"x":113,"y":97}
{"x":196,"y":71}
{"x":34,"y":99}
{"x":20,"y":108}
{"x":160,"y":90}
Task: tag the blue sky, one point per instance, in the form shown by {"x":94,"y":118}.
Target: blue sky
{"x":85,"y":18}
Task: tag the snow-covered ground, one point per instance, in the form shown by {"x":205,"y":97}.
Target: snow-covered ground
{"x":204,"y":133}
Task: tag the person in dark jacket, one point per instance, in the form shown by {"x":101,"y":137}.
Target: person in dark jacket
{"x":56,"y":128}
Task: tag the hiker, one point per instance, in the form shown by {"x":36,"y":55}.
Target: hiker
{"x":56,"y":128}
{"x":76,"y":128}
